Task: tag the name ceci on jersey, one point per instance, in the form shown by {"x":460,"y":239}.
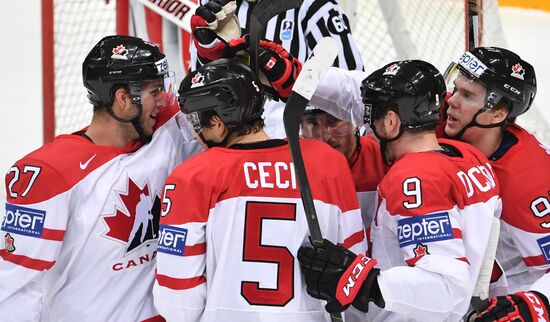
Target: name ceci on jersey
{"x":478,"y":177}
{"x":172,"y":240}
{"x":24,"y":221}
{"x":269,"y":175}
{"x":424,"y":229}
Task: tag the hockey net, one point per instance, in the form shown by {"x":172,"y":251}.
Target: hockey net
{"x":385,"y":30}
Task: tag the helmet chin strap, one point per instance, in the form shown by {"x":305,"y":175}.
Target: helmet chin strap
{"x":384,"y":141}
{"x":210,"y":144}
{"x":134,"y":121}
{"x":474,"y":122}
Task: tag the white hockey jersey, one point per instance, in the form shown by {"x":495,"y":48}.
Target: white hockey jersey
{"x":232,"y":222}
{"x":430,"y":233}
{"x":79,"y":237}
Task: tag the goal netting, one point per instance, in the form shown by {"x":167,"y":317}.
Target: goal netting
{"x":385,"y":30}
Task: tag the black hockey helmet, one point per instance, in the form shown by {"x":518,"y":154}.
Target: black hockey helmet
{"x":412,"y":88}
{"x":226,"y":86}
{"x":503,"y":73}
{"x":122,"y":60}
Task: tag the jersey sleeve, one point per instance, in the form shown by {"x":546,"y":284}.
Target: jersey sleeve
{"x":352,"y":228}
{"x":180,"y":294}
{"x":339,"y":93}
{"x":434,"y":281}
{"x":32,"y":236}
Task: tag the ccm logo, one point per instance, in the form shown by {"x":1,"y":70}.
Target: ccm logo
{"x":355,"y":273}
{"x":537,"y":306}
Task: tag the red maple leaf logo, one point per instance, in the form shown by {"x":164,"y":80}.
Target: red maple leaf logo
{"x":197,"y":78}
{"x":121,"y":224}
{"x":10,"y":247}
{"x":420,"y":250}
{"x":516,"y":68}
{"x":118,"y":49}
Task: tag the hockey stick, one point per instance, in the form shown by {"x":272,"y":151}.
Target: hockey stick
{"x":312,"y":71}
{"x":261,"y":14}
{"x":473,"y":34}
{"x":481,"y":290}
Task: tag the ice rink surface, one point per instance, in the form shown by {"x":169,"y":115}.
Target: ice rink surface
{"x":527,"y":33}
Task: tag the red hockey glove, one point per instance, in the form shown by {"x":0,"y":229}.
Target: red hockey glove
{"x":522,"y":307}
{"x":279,"y":67}
{"x":340,"y":277}
{"x":216,"y":30}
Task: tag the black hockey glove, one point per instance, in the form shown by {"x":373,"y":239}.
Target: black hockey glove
{"x":521,"y":307}
{"x":279,"y":67}
{"x":340,"y":277}
{"x":216,"y":30}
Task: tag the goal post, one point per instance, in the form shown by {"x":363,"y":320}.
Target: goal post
{"x":70,"y":28}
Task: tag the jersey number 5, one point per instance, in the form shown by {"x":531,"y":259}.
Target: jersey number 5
{"x":255,"y":251}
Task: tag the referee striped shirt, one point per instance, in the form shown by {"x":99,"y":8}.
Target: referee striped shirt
{"x":299,"y":30}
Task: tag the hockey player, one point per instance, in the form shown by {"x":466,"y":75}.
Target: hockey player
{"x":492,"y":87}
{"x":362,"y":153}
{"x":431,"y":229}
{"x":80,"y":232}
{"x":232,"y":219}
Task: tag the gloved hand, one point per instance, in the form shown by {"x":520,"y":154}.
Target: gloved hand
{"x":521,"y":306}
{"x":216,"y":30}
{"x":340,"y":277}
{"x":279,"y":67}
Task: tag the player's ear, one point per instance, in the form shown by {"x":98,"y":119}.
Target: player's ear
{"x":499,"y":114}
{"x":121,"y":98}
{"x":392,"y":123}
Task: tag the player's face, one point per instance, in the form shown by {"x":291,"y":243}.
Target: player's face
{"x":467,"y":99}
{"x":336,"y":133}
{"x":152,"y":101}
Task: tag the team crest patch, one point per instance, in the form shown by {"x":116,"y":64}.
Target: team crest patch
{"x":287,"y":29}
{"x":172,"y":240}
{"x":518,"y":71}
{"x":420,"y":250}
{"x":424,"y":229}
{"x":197,"y":80}
{"x":10,"y":247}
{"x":544,"y":244}
{"x":120,"y":52}
{"x":391,"y":70}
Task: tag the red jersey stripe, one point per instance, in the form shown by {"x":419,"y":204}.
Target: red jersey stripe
{"x":534,"y":260}
{"x":354,"y":239}
{"x":193,"y":250}
{"x":156,"y":318}
{"x":412,"y":261}
{"x":180,"y":283}
{"x":53,"y":234}
{"x":28,"y":262}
